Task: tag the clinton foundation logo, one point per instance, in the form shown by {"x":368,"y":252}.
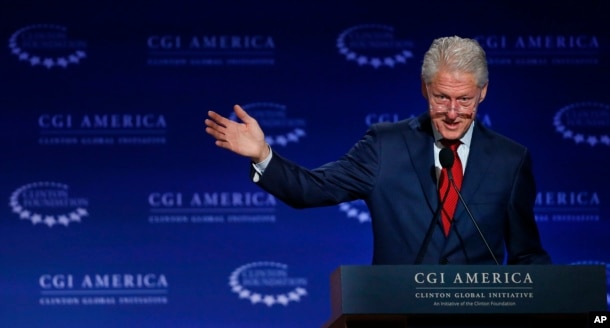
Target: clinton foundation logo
{"x":374,"y":45}
{"x":280,"y":129}
{"x":586,"y":123}
{"x":48,"y":203}
{"x":47,"y":45}
{"x":267,"y":283}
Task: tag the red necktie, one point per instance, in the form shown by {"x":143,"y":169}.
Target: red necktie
{"x":444,"y":183}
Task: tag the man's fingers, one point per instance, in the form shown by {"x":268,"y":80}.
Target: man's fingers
{"x":220,"y":120}
{"x":217,"y":118}
{"x":241,"y":114}
{"x":222,"y":144}
{"x":210,"y":123}
{"x":214,"y":133}
{"x":211,"y":126}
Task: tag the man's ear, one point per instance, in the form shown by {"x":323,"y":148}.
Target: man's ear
{"x":483,"y":92}
{"x":424,"y":89}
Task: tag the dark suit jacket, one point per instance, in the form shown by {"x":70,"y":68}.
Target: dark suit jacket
{"x":392,"y":169}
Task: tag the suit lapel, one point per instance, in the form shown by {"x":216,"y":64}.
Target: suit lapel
{"x":479,"y":159}
{"x":419,"y":141}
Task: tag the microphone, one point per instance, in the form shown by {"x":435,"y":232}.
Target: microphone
{"x":446,"y":158}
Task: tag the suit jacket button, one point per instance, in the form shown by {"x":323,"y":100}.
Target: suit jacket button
{"x":444,"y":260}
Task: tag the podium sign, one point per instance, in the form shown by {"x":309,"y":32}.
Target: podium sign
{"x":467,"y":289}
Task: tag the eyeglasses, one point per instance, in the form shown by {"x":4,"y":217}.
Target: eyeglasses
{"x":441,"y":105}
{"x":465,"y":113}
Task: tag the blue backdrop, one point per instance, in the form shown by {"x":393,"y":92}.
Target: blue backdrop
{"x":121,"y":212}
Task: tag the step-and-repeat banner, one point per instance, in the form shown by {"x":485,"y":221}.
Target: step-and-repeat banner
{"x":119,"y":210}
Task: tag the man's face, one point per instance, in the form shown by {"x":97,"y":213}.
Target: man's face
{"x":453,"y":98}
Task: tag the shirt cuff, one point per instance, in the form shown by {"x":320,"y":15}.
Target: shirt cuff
{"x":261,"y":166}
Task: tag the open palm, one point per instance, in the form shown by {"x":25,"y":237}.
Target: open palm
{"x":245,"y":138}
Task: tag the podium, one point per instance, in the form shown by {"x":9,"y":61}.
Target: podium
{"x":391,"y":296}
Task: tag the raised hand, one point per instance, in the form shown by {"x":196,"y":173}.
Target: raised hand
{"x":245,"y":138}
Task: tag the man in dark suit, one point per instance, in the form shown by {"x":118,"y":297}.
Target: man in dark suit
{"x":395,"y":168}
